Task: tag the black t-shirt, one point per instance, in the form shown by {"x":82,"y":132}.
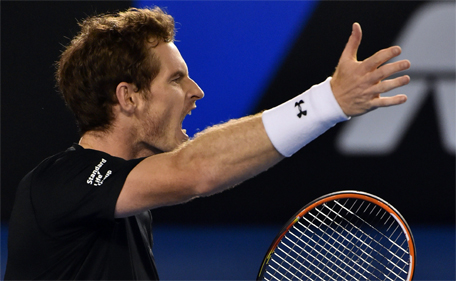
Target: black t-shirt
{"x":63,"y":226}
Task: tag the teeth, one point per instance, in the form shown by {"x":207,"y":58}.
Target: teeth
{"x":190,"y":113}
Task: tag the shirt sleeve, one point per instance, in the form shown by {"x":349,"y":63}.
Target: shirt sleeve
{"x":78,"y":191}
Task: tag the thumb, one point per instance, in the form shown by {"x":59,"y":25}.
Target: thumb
{"x":351,"y":49}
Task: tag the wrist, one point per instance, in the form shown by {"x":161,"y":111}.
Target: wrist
{"x":295,"y":123}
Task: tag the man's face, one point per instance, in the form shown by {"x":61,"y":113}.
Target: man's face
{"x":172,"y":96}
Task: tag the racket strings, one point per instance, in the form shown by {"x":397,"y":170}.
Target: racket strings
{"x":335,"y":241}
{"x":374,"y":228}
{"x":363,"y":242}
{"x":376,"y":231}
{"x":326,"y":260}
{"x":360,"y":259}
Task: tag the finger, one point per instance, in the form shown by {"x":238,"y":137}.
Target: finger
{"x":388,"y":85}
{"x":387,"y":70}
{"x":381,"y":57}
{"x":351,"y":48}
{"x":388,"y":101}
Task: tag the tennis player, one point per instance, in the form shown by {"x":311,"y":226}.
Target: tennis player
{"x":84,"y":213}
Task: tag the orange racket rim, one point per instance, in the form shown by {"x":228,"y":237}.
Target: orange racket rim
{"x":345,"y":195}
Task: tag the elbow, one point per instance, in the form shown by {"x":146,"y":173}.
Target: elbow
{"x":208,"y":188}
{"x":204,"y":183}
{"x":199,"y":178}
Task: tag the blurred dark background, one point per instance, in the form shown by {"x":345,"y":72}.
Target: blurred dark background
{"x":250,"y":56}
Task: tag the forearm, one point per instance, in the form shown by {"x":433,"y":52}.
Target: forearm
{"x":226,"y":155}
{"x":216,"y":159}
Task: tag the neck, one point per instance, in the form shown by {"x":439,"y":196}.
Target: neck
{"x":116,"y":145}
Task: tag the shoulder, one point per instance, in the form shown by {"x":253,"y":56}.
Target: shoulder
{"x":79,"y":162}
{"x":78,"y":185}
{"x":78,"y":170}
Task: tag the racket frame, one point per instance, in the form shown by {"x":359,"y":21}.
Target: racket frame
{"x":343,"y":195}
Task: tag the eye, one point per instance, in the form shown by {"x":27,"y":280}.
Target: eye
{"x":177,"y":79}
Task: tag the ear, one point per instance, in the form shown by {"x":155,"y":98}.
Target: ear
{"x":127,"y":97}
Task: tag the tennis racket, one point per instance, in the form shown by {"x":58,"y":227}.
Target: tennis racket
{"x":346,"y":235}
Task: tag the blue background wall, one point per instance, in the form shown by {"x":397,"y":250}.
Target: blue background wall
{"x":247,"y":56}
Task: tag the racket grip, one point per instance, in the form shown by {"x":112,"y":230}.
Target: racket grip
{"x":293,"y":124}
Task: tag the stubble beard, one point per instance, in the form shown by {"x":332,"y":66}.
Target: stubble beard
{"x":155,"y":133}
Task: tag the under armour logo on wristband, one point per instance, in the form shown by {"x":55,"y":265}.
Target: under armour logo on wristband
{"x":301,"y":112}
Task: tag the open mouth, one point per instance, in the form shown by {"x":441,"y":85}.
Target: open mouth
{"x":184,"y":131}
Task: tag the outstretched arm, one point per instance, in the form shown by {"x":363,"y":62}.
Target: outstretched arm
{"x":216,"y":159}
{"x":225,"y":155}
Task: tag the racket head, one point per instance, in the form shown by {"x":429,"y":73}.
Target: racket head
{"x":361,"y":255}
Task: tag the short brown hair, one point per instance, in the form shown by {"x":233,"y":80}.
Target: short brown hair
{"x":109,"y":49}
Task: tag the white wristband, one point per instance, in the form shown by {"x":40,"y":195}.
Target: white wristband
{"x":295,"y":123}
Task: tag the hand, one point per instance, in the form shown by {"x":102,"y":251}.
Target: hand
{"x":357,"y":85}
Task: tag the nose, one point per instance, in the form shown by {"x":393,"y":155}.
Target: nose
{"x":195,"y":91}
